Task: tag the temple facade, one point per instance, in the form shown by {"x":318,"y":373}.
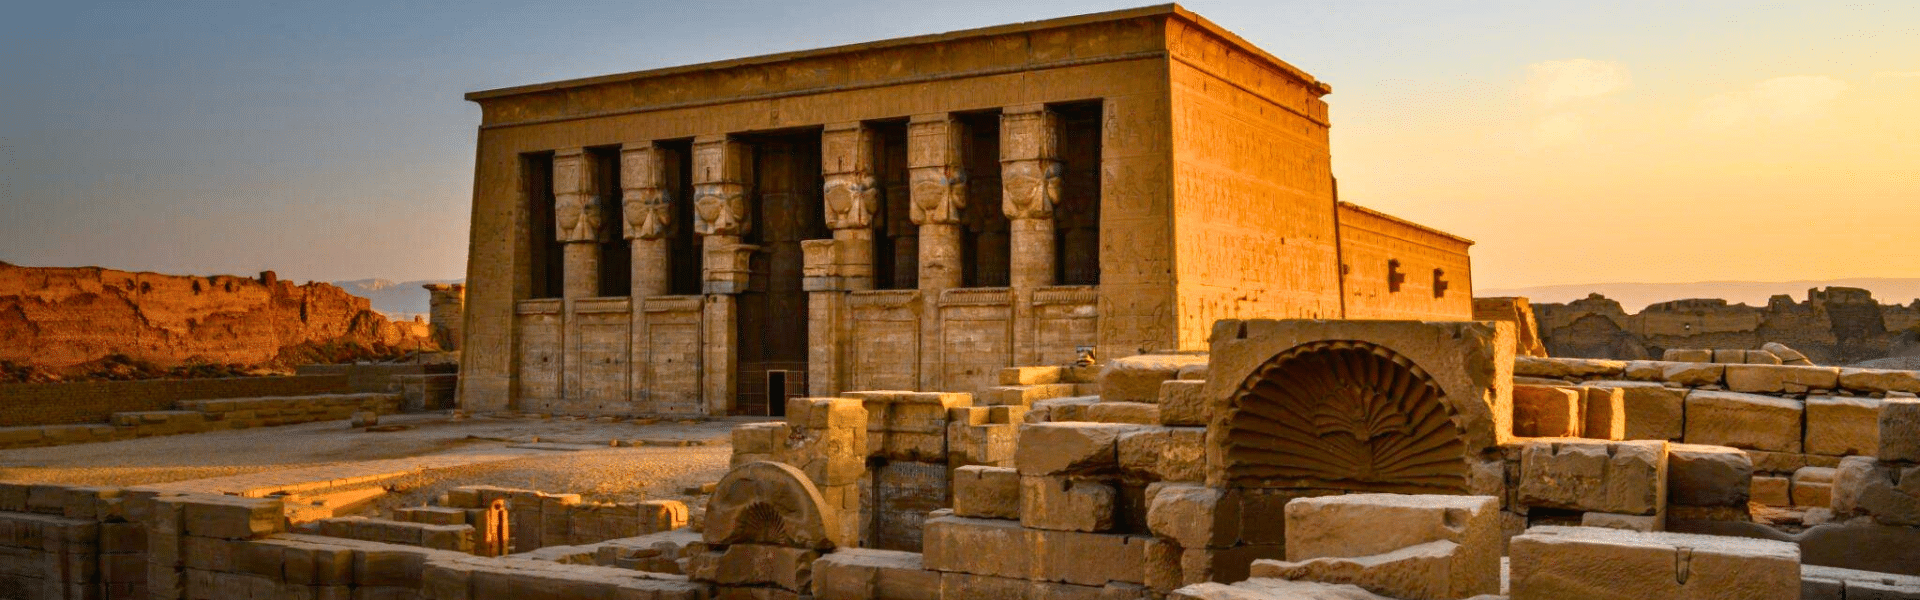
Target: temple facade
{"x":913,"y":214}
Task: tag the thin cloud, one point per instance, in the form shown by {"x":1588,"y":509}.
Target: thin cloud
{"x":1558,"y":81}
{"x":1777,"y":100}
{"x":1896,"y":74}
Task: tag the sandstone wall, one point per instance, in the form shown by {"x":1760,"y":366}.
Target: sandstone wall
{"x":95,"y":401}
{"x":62,"y":317}
{"x":1833,"y":326}
{"x":1395,"y":269}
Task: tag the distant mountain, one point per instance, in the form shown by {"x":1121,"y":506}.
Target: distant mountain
{"x":1635,"y":296}
{"x":398,"y":301}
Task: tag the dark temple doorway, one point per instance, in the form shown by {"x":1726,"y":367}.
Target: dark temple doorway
{"x":772,"y":323}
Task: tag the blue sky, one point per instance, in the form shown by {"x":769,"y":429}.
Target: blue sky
{"x":1577,"y":142}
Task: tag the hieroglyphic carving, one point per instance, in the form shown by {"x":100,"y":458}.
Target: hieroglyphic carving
{"x":768,"y":503}
{"x":1346,"y":415}
{"x":1030,"y":167}
{"x":721,"y":170}
{"x":935,"y":163}
{"x":647,"y":204}
{"x":577,"y":207}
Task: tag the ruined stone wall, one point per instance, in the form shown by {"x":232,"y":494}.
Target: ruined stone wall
{"x":1394,"y":269}
{"x":61,"y":317}
{"x":1253,"y":210}
{"x":1833,"y":326}
{"x":96,"y":401}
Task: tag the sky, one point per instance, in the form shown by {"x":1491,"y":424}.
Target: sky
{"x":1576,"y":142}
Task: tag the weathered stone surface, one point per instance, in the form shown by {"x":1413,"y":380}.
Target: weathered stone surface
{"x":1772,"y":490}
{"x":1400,"y":545}
{"x":1781,"y":378}
{"x":1695,"y":374}
{"x":986,"y":492}
{"x":1568,"y":368}
{"x":1273,"y":589}
{"x":1603,"y":413}
{"x":1540,"y":411}
{"x":1900,"y":430}
{"x":1888,"y":492}
{"x":1069,"y":448}
{"x":1138,"y":378}
{"x":1743,"y":421}
{"x":1183,"y":403}
{"x":1687,"y":355}
{"x":1066,"y":504}
{"x":1557,"y":563}
{"x":1138,"y":413}
{"x":1699,"y":475}
{"x":232,"y":517}
{"x":1165,"y":453}
{"x":769,"y":503}
{"x":1840,"y":426}
{"x":1194,"y":516}
{"x":1813,"y":486}
{"x":992,"y":547}
{"x":1880,"y":380}
{"x":759,"y":564}
{"x":1612,"y":477}
{"x":1419,"y":572}
{"x":1653,"y":411}
{"x":1627,"y":522}
{"x":1031,"y":375}
{"x":866,"y":574}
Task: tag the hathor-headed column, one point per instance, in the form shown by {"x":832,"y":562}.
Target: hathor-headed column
{"x":852,"y":195}
{"x":721,"y":170}
{"x":1030,"y":175}
{"x":936,"y":168}
{"x":577,"y":217}
{"x":647,"y":207}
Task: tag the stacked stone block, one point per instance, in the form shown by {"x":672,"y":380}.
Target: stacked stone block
{"x":1578,"y":562}
{"x":1885,"y":487}
{"x":198,"y":416}
{"x":538,"y":519}
{"x":456,"y":538}
{"x":1613,"y":484}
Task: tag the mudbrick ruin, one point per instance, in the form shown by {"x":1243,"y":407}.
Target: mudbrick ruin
{"x":1052,"y":310}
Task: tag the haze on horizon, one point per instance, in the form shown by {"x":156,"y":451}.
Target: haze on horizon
{"x":1577,"y":142}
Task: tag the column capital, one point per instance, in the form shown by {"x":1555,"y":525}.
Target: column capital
{"x":722,"y":167}
{"x":936,"y":171}
{"x":852,"y":192}
{"x":646,"y":203}
{"x":1030,"y":167}
{"x":578,"y":207}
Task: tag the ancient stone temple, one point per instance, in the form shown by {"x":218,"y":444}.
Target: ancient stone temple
{"x":913,"y":214}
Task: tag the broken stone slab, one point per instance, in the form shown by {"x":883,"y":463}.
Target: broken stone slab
{"x":1418,"y":572}
{"x":1168,"y":454}
{"x":1072,"y":448}
{"x":1842,"y":426}
{"x":1183,"y":403}
{"x":1591,"y":475}
{"x":1540,"y":411}
{"x":1743,"y":421}
{"x":1813,"y":486}
{"x":1777,"y":379}
{"x":1787,"y":355}
{"x":1194,"y":516}
{"x":1835,"y":583}
{"x":1379,"y":525}
{"x":1138,"y":378}
{"x":1879,"y":380}
{"x":1568,"y":368}
{"x":1700,"y":475}
{"x":1687,"y":355}
{"x":1273,"y":589}
{"x":1558,"y":563}
{"x":867,"y":574}
{"x":1619,"y":521}
{"x":1060,"y":409}
{"x":1888,"y":492}
{"x":986,"y":492}
{"x":1137,"y":413}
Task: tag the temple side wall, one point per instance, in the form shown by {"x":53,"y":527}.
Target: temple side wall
{"x":1375,"y":248}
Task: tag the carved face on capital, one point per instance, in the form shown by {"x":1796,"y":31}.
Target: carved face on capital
{"x":1032,"y":187}
{"x":577,"y":217}
{"x":720,"y":209}
{"x":939,"y":194}
{"x":851,"y":200}
{"x":649,"y":214}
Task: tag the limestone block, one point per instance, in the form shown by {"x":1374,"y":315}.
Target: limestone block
{"x":1025,"y":395}
{"x":1888,"y":492}
{"x":1653,"y":411}
{"x":1813,"y":486}
{"x":1687,"y":355}
{"x":1540,"y":411}
{"x":1787,"y":355}
{"x":1700,"y":475}
{"x":1073,"y":448}
{"x":759,"y":564}
{"x":1061,"y":409}
{"x":1613,"y":477}
{"x":233,"y":517}
{"x":1032,"y":375}
{"x":1568,"y":368}
{"x":1603,"y":413}
{"x":1772,"y":491}
{"x":1194,"y":516}
{"x":750,"y":438}
{"x":1138,"y":413}
{"x":1355,"y":525}
{"x":991,"y":445}
{"x":1066,"y":504}
{"x":986,"y":492}
{"x":1730,"y":356}
{"x":1557,"y":563}
{"x":1627,"y":522}
{"x":1089,"y":558}
{"x":866,"y":574}
{"x":1165,"y":453}
{"x":1273,"y":589}
{"x":1834,"y":583}
{"x":1840,"y":426}
{"x":1183,"y":402}
{"x":992,"y":547}
{"x":1763,"y":357}
{"x":1138,"y":378}
{"x":1743,"y":421}
{"x":1695,"y":374}
{"x":965,"y":585}
{"x":1162,"y":569}
{"x":1418,"y":572}
{"x":1762,"y":378}
{"x":1880,"y":380}
{"x":1899,"y":430}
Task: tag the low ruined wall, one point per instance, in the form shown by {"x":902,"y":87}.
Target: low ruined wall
{"x":1835,"y":326}
{"x":96,"y":401}
{"x":197,"y":416}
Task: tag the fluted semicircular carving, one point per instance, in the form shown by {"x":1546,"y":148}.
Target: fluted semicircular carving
{"x":1344,"y":415}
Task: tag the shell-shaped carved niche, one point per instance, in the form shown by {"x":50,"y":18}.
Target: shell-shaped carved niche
{"x":1344,"y":415}
{"x":768,"y":503}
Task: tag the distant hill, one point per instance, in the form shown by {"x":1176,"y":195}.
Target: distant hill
{"x":1636,"y":296}
{"x":398,"y":301}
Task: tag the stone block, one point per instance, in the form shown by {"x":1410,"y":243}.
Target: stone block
{"x":1272,"y":589}
{"x":1420,"y":572}
{"x":1164,"y":453}
{"x":1653,"y":411}
{"x":1619,"y":521}
{"x":986,"y":492}
{"x":1061,"y":409}
{"x":759,"y":564}
{"x":1183,"y":403}
{"x":1194,"y":516}
{"x":1841,"y":426}
{"x":1138,"y":413}
{"x":1899,"y":430}
{"x":233,"y":517}
{"x":750,"y":438}
{"x":1772,"y":491}
{"x":1410,"y":546}
{"x":1026,"y":395}
{"x":1032,"y":375}
{"x":991,"y":547}
{"x":1088,"y":558}
{"x":1743,"y":421}
{"x":1695,"y":374}
{"x":1763,"y":357}
{"x":1559,"y":563}
{"x":1603,"y":413}
{"x":1879,"y":380}
{"x":1708,"y":475}
{"x":1888,"y":492}
{"x":1568,"y":368}
{"x":1813,"y":486}
{"x":1541,"y":411}
{"x":1073,"y":448}
{"x":1138,"y":378}
{"x":1730,"y":356}
{"x":1613,"y":477}
{"x":1687,"y":355}
{"x":865,"y":574}
{"x":1066,"y":504}
{"x":1776,"y":379}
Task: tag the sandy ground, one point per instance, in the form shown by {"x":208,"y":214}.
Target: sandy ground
{"x":599,"y":472}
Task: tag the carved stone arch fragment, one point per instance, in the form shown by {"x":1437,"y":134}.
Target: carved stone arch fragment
{"x":1347,"y":415}
{"x":768,"y":503}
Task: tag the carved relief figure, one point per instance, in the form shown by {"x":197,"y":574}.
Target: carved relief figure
{"x":649,"y":214}
{"x":768,"y":503}
{"x":720,"y":209}
{"x":851,"y":199}
{"x":1033,"y":187}
{"x":577,"y":217}
{"x":1343,"y":415}
{"x":939,"y":194}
